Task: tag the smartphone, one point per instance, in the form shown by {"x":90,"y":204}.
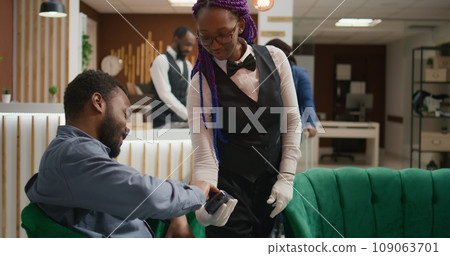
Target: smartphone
{"x":216,"y":200}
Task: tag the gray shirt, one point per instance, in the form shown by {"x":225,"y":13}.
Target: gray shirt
{"x":81,"y":187}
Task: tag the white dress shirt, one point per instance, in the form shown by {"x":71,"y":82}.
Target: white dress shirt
{"x":205,"y":162}
{"x":159,"y":73}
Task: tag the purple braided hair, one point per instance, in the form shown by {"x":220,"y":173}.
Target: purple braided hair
{"x":204,"y":59}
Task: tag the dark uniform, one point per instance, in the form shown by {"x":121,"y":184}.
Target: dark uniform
{"x":243,"y":173}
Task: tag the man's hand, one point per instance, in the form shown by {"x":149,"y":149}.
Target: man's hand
{"x":311,"y":130}
{"x":281,"y":194}
{"x":219,"y":218}
{"x":205,"y":187}
{"x":179,"y":228}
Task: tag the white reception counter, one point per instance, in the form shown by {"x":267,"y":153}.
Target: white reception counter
{"x":27,"y":129}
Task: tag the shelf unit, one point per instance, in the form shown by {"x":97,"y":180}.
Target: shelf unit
{"x":426,"y":121}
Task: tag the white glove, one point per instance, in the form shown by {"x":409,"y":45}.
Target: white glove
{"x":219,"y":218}
{"x":281,"y":193}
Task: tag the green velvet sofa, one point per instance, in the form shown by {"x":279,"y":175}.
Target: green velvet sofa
{"x":344,"y":202}
{"x":376,"y":202}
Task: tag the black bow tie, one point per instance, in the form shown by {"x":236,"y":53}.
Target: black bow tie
{"x":249,"y":63}
{"x":180,"y":56}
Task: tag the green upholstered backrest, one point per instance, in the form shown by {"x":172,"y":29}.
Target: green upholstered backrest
{"x":38,"y":225}
{"x":376,"y":202}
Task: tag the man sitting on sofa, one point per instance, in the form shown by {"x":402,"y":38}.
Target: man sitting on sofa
{"x":80,"y":186}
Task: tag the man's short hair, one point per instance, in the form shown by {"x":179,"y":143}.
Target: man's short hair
{"x":181,"y":31}
{"x":81,"y":89}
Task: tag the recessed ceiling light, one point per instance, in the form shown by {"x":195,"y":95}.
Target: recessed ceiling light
{"x":182,"y":3}
{"x":352,"y":22}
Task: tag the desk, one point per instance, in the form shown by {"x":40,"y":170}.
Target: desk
{"x":351,"y":130}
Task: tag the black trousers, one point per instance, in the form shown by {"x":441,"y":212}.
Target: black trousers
{"x":250,"y":217}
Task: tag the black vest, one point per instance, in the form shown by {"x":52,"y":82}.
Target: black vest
{"x":238,"y":154}
{"x":179,"y":84}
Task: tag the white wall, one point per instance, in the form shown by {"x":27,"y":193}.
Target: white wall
{"x":307,"y":62}
{"x":398,"y":86}
{"x":74,"y":39}
{"x":284,"y":9}
{"x":395,"y":84}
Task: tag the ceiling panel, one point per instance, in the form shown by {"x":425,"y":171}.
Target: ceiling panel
{"x":397,"y":15}
{"x":398,"y":4}
{"x":374,"y":13}
{"x":423,"y":14}
{"x":439,"y":4}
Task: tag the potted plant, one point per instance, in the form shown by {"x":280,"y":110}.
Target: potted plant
{"x":53,"y":90}
{"x":6,"y":97}
{"x":86,"y":52}
{"x":430,"y":63}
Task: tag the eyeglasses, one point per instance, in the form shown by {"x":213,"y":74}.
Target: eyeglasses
{"x":221,"y":39}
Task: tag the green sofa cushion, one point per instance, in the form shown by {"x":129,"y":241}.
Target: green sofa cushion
{"x":377,"y":202}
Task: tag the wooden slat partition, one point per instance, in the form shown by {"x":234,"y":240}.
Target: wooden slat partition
{"x":137,"y":61}
{"x":42,"y":52}
{"x":44,"y":41}
{"x":59,"y":82}
{"x":19,"y":53}
{"x":27,"y":52}
{"x":37,"y":36}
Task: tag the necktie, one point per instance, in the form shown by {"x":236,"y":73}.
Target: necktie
{"x":249,"y":63}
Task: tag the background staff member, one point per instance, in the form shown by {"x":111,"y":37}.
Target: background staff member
{"x":302,"y":87}
{"x":170,"y":77}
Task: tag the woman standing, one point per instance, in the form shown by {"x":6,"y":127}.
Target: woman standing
{"x":243,"y":116}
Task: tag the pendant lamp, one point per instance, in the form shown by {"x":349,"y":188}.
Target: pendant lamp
{"x":263,"y":5}
{"x":52,"y":9}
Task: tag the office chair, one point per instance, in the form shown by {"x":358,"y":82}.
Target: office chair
{"x":338,"y":143}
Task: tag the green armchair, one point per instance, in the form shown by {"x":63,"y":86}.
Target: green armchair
{"x":38,"y":225}
{"x":376,"y":202}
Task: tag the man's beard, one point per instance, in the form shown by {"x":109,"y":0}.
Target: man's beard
{"x":180,"y":55}
{"x":109,"y":135}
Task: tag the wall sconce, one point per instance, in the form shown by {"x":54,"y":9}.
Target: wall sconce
{"x":52,"y":9}
{"x":263,"y":5}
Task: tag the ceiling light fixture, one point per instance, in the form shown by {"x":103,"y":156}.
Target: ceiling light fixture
{"x":182,"y":3}
{"x":263,"y":5}
{"x":52,"y":9}
{"x":352,"y":22}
